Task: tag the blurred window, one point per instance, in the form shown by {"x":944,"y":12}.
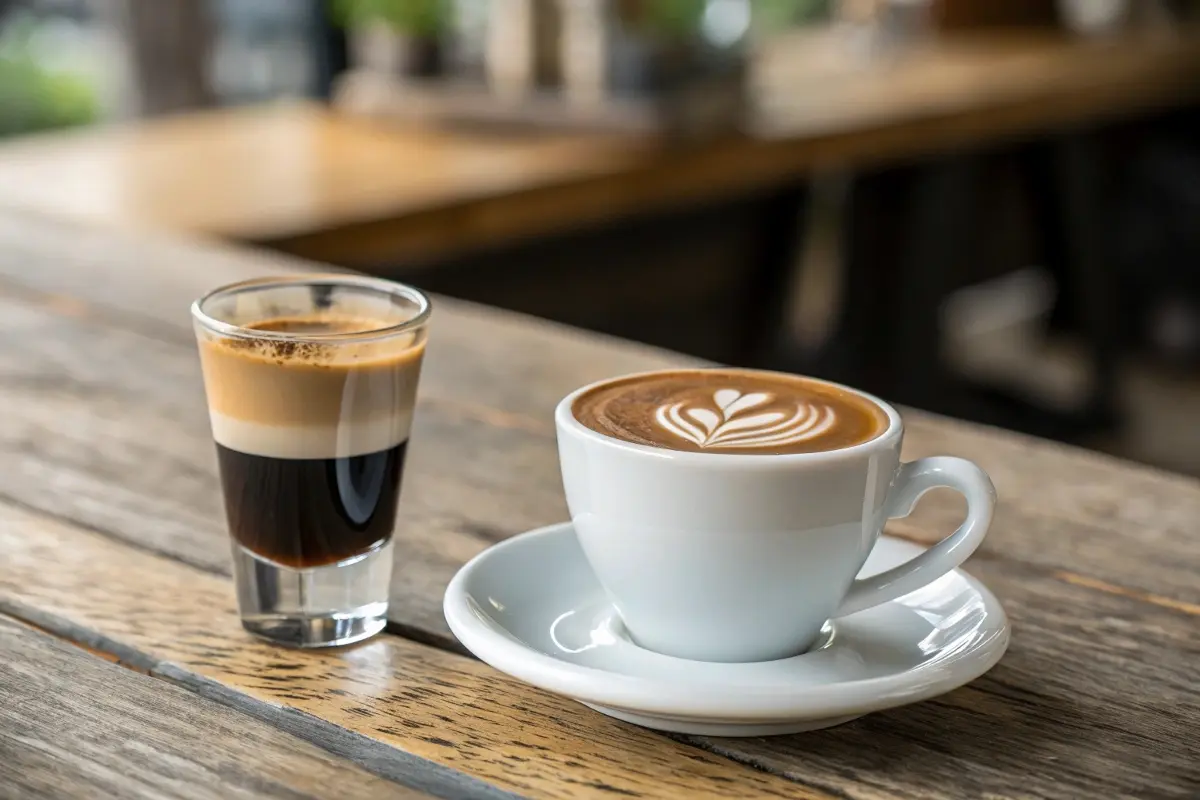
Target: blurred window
{"x":52,"y":65}
{"x":72,"y":62}
{"x":264,"y":49}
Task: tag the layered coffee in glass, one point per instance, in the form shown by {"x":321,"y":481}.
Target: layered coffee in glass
{"x":311,"y":384}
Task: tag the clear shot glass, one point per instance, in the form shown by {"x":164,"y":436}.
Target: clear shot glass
{"x":311,"y":383}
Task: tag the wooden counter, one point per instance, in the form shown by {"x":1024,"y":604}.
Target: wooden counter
{"x":362,"y":192}
{"x":112,"y":542}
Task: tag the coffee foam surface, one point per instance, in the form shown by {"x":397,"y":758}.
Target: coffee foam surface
{"x":289,"y":399}
{"x":730,"y":411}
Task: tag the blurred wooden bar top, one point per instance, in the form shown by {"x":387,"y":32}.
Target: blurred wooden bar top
{"x":353,"y":188}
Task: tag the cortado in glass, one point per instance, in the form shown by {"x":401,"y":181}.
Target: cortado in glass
{"x":311,"y":383}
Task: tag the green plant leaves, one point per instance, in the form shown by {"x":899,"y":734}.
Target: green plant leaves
{"x":414,"y":17}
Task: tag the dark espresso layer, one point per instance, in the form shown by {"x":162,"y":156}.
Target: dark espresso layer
{"x":730,"y":411}
{"x":305,"y":513}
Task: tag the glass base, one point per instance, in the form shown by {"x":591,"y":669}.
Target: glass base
{"x":325,"y":606}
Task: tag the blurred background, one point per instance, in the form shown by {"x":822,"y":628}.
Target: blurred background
{"x":985,"y":208}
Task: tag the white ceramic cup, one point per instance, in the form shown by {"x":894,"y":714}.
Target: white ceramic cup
{"x":720,"y":557}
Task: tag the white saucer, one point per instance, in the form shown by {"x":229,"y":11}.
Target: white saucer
{"x":531,"y":607}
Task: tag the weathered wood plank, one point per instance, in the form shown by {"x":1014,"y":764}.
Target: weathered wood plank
{"x":491,"y":382}
{"x":107,"y":409}
{"x":73,"y":725}
{"x":1095,"y":558}
{"x":127,"y":450}
{"x":1096,"y":697}
{"x":1070,"y":718}
{"x":449,"y":710}
{"x":1117,"y":500}
{"x":518,"y":365}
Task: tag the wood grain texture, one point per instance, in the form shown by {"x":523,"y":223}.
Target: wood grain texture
{"x":357,"y":193}
{"x":86,"y":306}
{"x":1096,"y":697}
{"x":181,"y":623}
{"x":1094,"y":558}
{"x":277,"y":171}
{"x":72,"y":725}
{"x":1058,"y":718}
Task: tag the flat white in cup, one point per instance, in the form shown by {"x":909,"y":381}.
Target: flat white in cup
{"x":727,"y":512}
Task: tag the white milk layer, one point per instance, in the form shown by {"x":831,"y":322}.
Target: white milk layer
{"x":351,"y":438}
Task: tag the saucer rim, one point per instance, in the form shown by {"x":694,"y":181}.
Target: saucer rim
{"x":644,"y":695}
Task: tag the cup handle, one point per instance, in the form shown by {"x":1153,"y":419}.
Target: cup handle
{"x":913,"y":480}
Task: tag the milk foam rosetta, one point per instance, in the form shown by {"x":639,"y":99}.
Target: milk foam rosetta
{"x":308,"y":400}
{"x":731,"y":418}
{"x":730,"y":411}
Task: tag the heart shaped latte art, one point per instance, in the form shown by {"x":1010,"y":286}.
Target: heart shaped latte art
{"x":738,"y":420}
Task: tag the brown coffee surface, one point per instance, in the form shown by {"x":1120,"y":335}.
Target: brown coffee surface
{"x":325,"y":325}
{"x":729,"y":411}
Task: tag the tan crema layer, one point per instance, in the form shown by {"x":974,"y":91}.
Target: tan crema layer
{"x":655,"y":409}
{"x":311,"y":400}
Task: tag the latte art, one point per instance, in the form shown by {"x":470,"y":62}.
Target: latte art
{"x":728,"y":411}
{"x":736,"y":420}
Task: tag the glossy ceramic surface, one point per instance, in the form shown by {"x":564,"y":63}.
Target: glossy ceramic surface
{"x":532,"y":607}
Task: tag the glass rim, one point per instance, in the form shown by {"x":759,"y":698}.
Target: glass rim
{"x":381,"y":285}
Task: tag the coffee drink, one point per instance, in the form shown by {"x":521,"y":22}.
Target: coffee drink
{"x":311,"y":433}
{"x":730,"y":411}
{"x":733,"y":558}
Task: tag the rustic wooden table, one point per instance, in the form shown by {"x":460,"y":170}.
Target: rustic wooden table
{"x":124,"y":671}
